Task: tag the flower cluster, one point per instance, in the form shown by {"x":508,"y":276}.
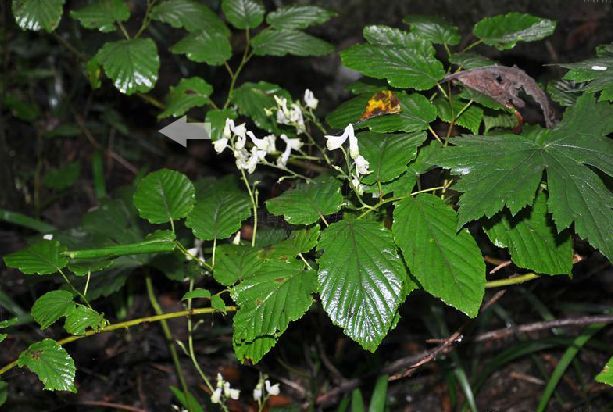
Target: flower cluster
{"x":223,"y":387}
{"x":235,"y":137}
{"x":360,"y":163}
{"x":258,"y":391}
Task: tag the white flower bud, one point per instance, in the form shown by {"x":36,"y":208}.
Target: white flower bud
{"x":220,"y":144}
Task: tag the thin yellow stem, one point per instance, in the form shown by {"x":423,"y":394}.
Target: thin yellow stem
{"x":511,"y":281}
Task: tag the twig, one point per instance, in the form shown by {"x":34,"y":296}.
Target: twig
{"x":113,"y":405}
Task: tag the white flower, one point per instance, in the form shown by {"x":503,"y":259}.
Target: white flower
{"x":270,"y":143}
{"x":216,"y":396}
{"x":335,"y":142}
{"x":266,"y":143}
{"x":240,"y":143}
{"x":257,"y":392}
{"x":220,"y":381}
{"x":254,"y":159}
{"x":361,"y":166}
{"x":237,"y":238}
{"x":359,"y":188}
{"x":240,"y":130}
{"x":48,"y":236}
{"x":354,"y":149}
{"x":310,"y":100}
{"x":227,"y":129}
{"x":293,"y":143}
{"x":269,"y":112}
{"x":234,"y":393}
{"x":191,"y":253}
{"x":283,"y":114}
{"x":226,"y":389}
{"x":295,"y":117}
{"x":284,"y":158}
{"x":241,"y":156}
{"x":220,"y":144}
{"x":272,"y":389}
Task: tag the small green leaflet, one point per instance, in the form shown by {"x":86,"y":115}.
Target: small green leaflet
{"x":505,"y":170}
{"x":460,"y":113}
{"x":597,"y":72}
{"x":44,"y":257}
{"x":132,"y":64}
{"x":276,"y":294}
{"x":190,"y":15}
{"x":273,"y":42}
{"x":234,"y":263}
{"x":504,"y":31}
{"x":447,"y":264}
{"x":205,"y":47}
{"x":379,"y":35}
{"x":299,"y":241}
{"x":298,"y":17}
{"x":219,"y":215}
{"x":38,"y":14}
{"x":308,"y":202}
{"x":164,"y":195}
{"x":188,"y":93}
{"x":433,"y":29}
{"x":198,"y":293}
{"x":360,"y":279}
{"x":243,"y":14}
{"x":51,"y":363}
{"x":606,"y":375}
{"x":532,"y":239}
{"x":51,"y":306}
{"x":102,"y":14}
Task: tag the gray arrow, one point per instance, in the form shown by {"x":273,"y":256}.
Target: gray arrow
{"x":180,"y":131}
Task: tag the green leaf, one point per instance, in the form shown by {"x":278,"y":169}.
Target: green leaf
{"x":198,"y":293}
{"x":188,"y":93}
{"x":348,"y":112}
{"x":402,"y":67}
{"x":276,"y":294}
{"x":212,"y":48}
{"x":219,"y":215}
{"x":566,"y":92}
{"x":504,"y":31}
{"x":233,"y":263}
{"x":38,"y":14}
{"x":188,"y":401}
{"x":51,"y":363}
{"x":274,"y":42}
{"x":79,"y":318}
{"x":253,"y":99}
{"x":606,"y":375}
{"x":505,"y":170}
{"x":434,"y":29}
{"x":51,"y":306}
{"x":379,"y":395}
{"x":189,"y":15}
{"x":164,"y":195}
{"x":378,"y":35}
{"x":102,"y":14}
{"x":218,"y":304}
{"x":44,"y":257}
{"x":298,"y":17}
{"x":243,"y":14}
{"x":470,"y":60}
{"x":388,"y":154}
{"x":360,"y":279}
{"x":532,"y":239}
{"x":4,"y":388}
{"x":217,"y":119}
{"x":299,"y":241}
{"x":596,"y":71}
{"x":132,"y":64}
{"x":469,"y":117}
{"x":447,"y":264}
{"x":416,"y":113}
{"x":308,"y":202}
{"x":64,"y":177}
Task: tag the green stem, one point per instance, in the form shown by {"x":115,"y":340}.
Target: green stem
{"x":511,"y":281}
{"x":25,"y":221}
{"x":146,"y":19}
{"x":167,"y":333}
{"x":146,"y":246}
{"x":128,"y":324}
{"x":75,"y":290}
{"x":234,"y":74}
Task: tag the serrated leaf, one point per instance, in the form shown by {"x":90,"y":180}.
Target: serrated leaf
{"x":299,"y":241}
{"x":164,"y":195}
{"x":360,"y":279}
{"x":459,"y":113}
{"x":388,"y":155}
{"x":433,"y":29}
{"x":606,"y":375}
{"x":504,"y":31}
{"x":84,"y":267}
{"x":597,"y":72}
{"x":233,"y":263}
{"x":379,"y":35}
{"x":51,"y":306}
{"x":218,"y":304}
{"x":210,"y":47}
{"x":243,"y":14}
{"x":276,"y":294}
{"x":505,"y":170}
{"x":566,"y":92}
{"x":51,"y":363}
{"x":253,"y":99}
{"x":470,"y":60}
{"x":188,"y":93}
{"x":532,"y":239}
{"x":132,"y":64}
{"x":80,"y":318}
{"x":198,"y":293}
{"x":447,"y":264}
{"x":416,"y":113}
{"x":219,"y":215}
{"x":403,"y":68}
{"x":274,"y":42}
{"x":348,"y":112}
{"x":308,"y":202}
{"x":42,"y":258}
{"x":38,"y":14}
{"x":63,"y":177}
{"x":102,"y":14}
{"x":189,"y":15}
{"x":298,"y":17}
